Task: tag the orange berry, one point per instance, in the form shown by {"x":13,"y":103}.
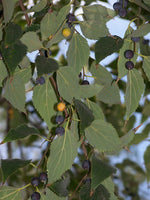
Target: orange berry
{"x":66,"y":32}
{"x":61,"y":106}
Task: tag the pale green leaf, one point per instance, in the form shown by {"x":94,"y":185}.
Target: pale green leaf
{"x":69,"y":87}
{"x":31,"y":40}
{"x":3,"y":72}
{"x":141,"y":31}
{"x":63,"y":152}
{"x":39,"y":6}
{"x":147,"y":2}
{"x":94,"y":29}
{"x":127,"y":138}
{"x":8,"y":7}
{"x":78,"y":52}
{"x":102,"y":136}
{"x":14,"y":92}
{"x":51,"y":195}
{"x":44,"y":99}
{"x":9,"y":166}
{"x":110,"y":186}
{"x":24,"y":74}
{"x":10,"y":193}
{"x":110,"y":92}
{"x":146,"y":67}
{"x":24,"y":63}
{"x":97,"y":111}
{"x":99,"y":171}
{"x":147,"y":162}
{"x":135,"y":88}
{"x":49,"y":25}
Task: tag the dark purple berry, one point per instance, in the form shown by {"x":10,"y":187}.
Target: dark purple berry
{"x":80,"y":75}
{"x":35,"y":196}
{"x":60,"y":130}
{"x":129,"y":65}
{"x":128,"y":54}
{"x":87,"y":180}
{"x":43,"y":177}
{"x":35,"y":181}
{"x":117,"y":6}
{"x":86,"y":165}
{"x":85,"y":82}
{"x":59,"y":119}
{"x":135,"y":39}
{"x":145,"y":41}
{"x":122,"y":12}
{"x":70,"y":17}
{"x":40,"y":80}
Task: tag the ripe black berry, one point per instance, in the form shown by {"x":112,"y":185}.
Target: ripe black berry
{"x":35,"y":196}
{"x":40,"y":80}
{"x":35,"y":181}
{"x":70,"y":18}
{"x":59,"y":119}
{"x":122,"y":12}
{"x":60,"y":130}
{"x":87,"y":180}
{"x":85,"y":82}
{"x":43,"y":177}
{"x":129,"y":65}
{"x":128,"y":54}
{"x":135,"y":39}
{"x":117,"y":6}
{"x":80,"y":75}
{"x":86,"y":165}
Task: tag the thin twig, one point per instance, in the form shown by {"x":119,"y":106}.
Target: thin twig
{"x":24,"y":10}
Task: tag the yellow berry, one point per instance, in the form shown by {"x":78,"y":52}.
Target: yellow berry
{"x":61,"y":106}
{"x":66,"y":32}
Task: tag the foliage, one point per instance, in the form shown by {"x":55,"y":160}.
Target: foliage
{"x":96,"y":122}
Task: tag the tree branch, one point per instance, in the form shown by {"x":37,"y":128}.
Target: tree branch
{"x":24,"y":10}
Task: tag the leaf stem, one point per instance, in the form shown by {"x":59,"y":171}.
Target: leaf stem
{"x":25,"y":14}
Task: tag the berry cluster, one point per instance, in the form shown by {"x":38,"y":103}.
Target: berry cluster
{"x":36,"y":182}
{"x":120,"y":7}
{"x":129,"y":54}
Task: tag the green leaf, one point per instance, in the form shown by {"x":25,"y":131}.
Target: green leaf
{"x":14,"y":92}
{"x":106,"y":46}
{"x":135,"y":88}
{"x":146,"y":67}
{"x":85,"y":192}
{"x":99,"y":171}
{"x":127,"y":138}
{"x":39,"y":6}
{"x":23,"y":74}
{"x":83,"y":111}
{"x":97,"y":111}
{"x":1,"y":34}
{"x":94,"y":29}
{"x":110,"y":186}
{"x":8,"y":7}
{"x":3,"y":72}
{"x":49,"y":25}
{"x":78,"y":52}
{"x":141,"y":31}
{"x":147,"y":2}
{"x":13,"y":33}
{"x":147,"y":162}
{"x":13,"y":54}
{"x":67,"y":80}
{"x":110,"y":92}
{"x":51,"y":195}
{"x":45,"y":65}
{"x":10,"y":193}
{"x":9,"y":166}
{"x":102,"y":136}
{"x":31,"y":40}
{"x":25,"y":63}
{"x":63,"y":152}
{"x":20,"y":133}
{"x":44,"y":99}
{"x":60,"y":186}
